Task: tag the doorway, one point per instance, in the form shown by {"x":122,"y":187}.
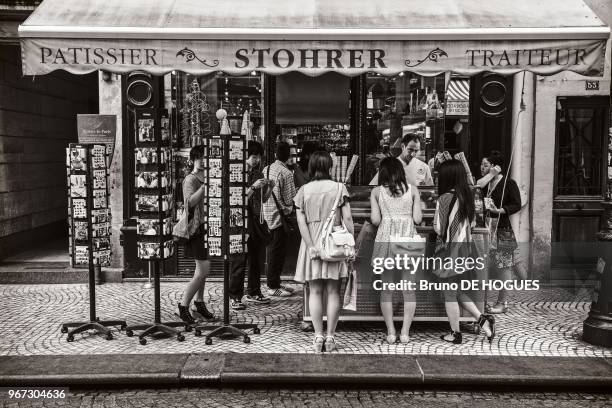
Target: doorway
{"x":579,"y":184}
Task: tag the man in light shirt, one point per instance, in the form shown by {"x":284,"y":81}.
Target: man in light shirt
{"x":417,"y":172}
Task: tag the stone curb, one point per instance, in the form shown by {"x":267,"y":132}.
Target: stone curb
{"x":299,"y":369}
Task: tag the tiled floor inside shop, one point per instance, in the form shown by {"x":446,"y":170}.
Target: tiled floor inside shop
{"x":546,"y":323}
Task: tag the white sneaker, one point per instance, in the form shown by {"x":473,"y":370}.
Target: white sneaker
{"x":287,"y":288}
{"x":280,"y":292}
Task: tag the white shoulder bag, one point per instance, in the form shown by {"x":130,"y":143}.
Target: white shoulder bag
{"x":336,"y":244}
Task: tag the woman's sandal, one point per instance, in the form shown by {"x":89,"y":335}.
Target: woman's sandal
{"x":485,"y":318}
{"x":318,"y":342}
{"x":453,"y":337}
{"x":392,"y":338}
{"x":330,"y":344}
{"x":404,"y":338}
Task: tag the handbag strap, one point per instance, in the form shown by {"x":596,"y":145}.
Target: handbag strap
{"x":450,"y":209}
{"x":333,"y":210}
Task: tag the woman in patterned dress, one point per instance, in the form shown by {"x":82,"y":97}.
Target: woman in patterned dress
{"x":396,"y":207}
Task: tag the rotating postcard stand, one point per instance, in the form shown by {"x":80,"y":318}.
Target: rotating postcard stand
{"x":153,"y":159}
{"x":89,"y":220}
{"x":227,"y":218}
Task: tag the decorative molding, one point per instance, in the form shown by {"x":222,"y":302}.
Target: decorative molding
{"x":190,"y":55}
{"x":432,"y":56}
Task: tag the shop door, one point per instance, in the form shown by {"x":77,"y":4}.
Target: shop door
{"x":490,"y":118}
{"x":579,"y":184}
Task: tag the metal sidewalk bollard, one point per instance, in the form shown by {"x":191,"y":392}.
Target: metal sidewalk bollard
{"x":597,"y":328}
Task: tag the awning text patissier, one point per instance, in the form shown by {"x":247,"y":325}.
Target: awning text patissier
{"x":309,"y":58}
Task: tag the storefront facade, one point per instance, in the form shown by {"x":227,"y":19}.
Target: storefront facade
{"x":354,"y":81}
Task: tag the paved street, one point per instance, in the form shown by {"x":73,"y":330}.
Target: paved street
{"x":253,"y":397}
{"x":541,"y":324}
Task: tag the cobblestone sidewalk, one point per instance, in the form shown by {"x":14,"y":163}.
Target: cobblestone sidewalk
{"x":339,"y":398}
{"x":538,"y":325}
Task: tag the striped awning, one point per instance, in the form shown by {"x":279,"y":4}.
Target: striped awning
{"x":458,"y":90}
{"x":314,"y":36}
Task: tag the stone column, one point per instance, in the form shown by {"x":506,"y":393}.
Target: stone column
{"x":110,"y":103}
{"x":523,"y":107}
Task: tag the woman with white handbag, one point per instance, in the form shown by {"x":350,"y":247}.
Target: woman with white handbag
{"x":326,"y":225}
{"x":396,"y":207}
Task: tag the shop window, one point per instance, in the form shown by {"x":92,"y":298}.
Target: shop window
{"x":195,"y":101}
{"x":313,"y":113}
{"x":408,"y":103}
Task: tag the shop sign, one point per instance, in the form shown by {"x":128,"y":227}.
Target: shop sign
{"x":544,"y":57}
{"x":92,"y":128}
{"x":457,"y":108}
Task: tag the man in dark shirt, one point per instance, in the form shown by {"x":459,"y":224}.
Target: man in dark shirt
{"x":257,"y":189}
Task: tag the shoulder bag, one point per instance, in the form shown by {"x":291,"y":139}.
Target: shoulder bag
{"x":288,"y":221}
{"x":184,"y":229}
{"x":443,"y":249}
{"x":336,"y":244}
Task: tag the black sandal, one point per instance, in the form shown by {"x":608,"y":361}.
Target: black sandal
{"x":184,"y":315}
{"x":457,"y":338}
{"x":488,"y":319}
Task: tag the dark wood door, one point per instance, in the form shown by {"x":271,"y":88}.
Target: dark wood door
{"x":490,"y":117}
{"x":579,"y":184}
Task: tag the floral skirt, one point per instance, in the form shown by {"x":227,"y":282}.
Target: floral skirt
{"x":502,"y":256}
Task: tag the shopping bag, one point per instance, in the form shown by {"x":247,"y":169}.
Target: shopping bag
{"x":180,"y":231}
{"x":350,"y":292}
{"x":364,"y":244}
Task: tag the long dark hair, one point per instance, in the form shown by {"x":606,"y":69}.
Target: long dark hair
{"x":452,"y":176}
{"x":392,"y":176}
{"x":319,"y":165}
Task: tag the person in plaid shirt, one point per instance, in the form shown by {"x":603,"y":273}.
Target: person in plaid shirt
{"x":284,"y":190}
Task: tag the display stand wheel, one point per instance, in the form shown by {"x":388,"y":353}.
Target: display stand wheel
{"x":168,"y":328}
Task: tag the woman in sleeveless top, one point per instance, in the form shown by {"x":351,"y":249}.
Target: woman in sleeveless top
{"x":453,"y":222}
{"x":314,"y":202}
{"x":396,"y":207}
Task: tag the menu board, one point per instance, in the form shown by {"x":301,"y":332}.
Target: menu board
{"x":88,"y":204}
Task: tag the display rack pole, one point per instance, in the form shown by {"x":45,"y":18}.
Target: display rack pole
{"x":100,"y":326}
{"x":226,"y":330}
{"x":157,"y":326}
